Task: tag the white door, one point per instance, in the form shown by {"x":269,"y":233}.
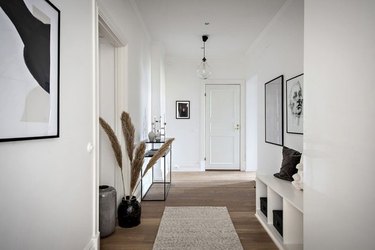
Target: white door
{"x":222,"y":119}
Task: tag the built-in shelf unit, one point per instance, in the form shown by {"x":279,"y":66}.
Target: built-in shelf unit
{"x":281,"y":195}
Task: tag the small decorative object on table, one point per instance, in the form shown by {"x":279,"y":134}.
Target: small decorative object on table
{"x":129,"y":210}
{"x":158,"y":136}
{"x":157,"y":131}
{"x":151,"y":136}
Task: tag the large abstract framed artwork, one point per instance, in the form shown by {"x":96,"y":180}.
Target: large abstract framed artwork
{"x":29,"y":70}
{"x":274,"y":122}
{"x":182,"y":109}
{"x":294,"y":105}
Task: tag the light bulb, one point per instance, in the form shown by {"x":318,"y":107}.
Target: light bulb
{"x":204,"y":70}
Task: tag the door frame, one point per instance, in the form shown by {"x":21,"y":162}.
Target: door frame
{"x":121,"y":103}
{"x":242,"y":118}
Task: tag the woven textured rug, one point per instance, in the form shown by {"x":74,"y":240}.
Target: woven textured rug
{"x":196,"y":228}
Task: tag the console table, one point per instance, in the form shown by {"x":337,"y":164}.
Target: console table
{"x":159,"y":184}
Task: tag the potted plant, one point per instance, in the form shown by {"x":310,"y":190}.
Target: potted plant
{"x":129,"y":210}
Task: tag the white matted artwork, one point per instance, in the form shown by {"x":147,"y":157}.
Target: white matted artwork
{"x":29,"y":75}
{"x":274,"y":122}
{"x":294,"y":105}
{"x":182,"y":109}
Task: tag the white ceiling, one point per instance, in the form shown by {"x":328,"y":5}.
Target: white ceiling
{"x":234,"y":24}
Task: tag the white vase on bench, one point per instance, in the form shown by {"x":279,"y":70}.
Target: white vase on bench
{"x":298,"y":177}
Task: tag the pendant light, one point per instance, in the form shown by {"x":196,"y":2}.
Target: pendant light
{"x":204,"y":70}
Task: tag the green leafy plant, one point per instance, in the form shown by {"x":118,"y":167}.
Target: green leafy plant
{"x":135,"y":154}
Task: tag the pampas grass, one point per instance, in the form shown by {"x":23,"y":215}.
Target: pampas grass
{"x":128,"y":131}
{"x":115,"y":145}
{"x":161,"y":151}
{"x":157,"y":155}
{"x":136,"y":154}
{"x":137,"y":164}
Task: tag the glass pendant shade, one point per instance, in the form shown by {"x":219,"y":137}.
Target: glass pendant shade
{"x":204,"y":70}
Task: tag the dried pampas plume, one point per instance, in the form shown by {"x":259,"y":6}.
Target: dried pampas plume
{"x":136,"y":158}
{"x":114,"y":141}
{"x":160,"y":153}
{"x":137,"y":165}
{"x":128,"y":131}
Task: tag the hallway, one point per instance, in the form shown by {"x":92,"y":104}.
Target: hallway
{"x":235,"y":190}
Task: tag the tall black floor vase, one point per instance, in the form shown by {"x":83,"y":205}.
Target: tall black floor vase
{"x":129,"y":212}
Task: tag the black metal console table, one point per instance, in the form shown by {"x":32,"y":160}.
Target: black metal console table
{"x":158,"y":190}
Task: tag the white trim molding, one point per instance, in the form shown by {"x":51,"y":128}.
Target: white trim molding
{"x":93,"y":243}
{"x":113,"y":34}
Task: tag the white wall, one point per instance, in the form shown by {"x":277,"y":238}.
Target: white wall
{"x":157,"y":81}
{"x":339,"y":198}
{"x":252,"y":124}
{"x":124,"y":18}
{"x":157,"y":101}
{"x":47,"y":185}
{"x":278,"y":51}
{"x":182,"y":83}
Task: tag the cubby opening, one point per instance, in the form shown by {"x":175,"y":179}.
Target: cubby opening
{"x":275,"y":202}
{"x":293,"y":224}
{"x":261,"y":191}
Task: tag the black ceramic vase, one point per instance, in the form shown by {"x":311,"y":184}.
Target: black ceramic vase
{"x":129,"y":212}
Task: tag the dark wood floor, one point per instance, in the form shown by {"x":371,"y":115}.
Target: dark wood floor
{"x":235,"y":190}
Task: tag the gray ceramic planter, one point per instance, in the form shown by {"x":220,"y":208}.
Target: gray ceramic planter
{"x":107,"y":210}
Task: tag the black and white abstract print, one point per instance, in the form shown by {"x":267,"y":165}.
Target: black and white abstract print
{"x":29,"y":69}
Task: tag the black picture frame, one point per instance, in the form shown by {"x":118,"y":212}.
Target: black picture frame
{"x":274,"y":109}
{"x":294,"y":105}
{"x":182,"y":109}
{"x":30,"y":96}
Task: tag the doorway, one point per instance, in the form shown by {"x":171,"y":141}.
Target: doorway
{"x":107,"y":107}
{"x":222,"y":126}
{"x":112,"y":88}
{"x":110,"y":98}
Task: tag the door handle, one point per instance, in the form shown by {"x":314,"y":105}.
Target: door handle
{"x":237,"y":126}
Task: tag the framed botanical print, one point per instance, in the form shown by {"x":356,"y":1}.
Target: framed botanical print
{"x":274,"y":121}
{"x":182,"y":109}
{"x":29,"y":70}
{"x":294,"y":105}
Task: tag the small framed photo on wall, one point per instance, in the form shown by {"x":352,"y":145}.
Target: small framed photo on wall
{"x":182,"y":109}
{"x":294,"y":105}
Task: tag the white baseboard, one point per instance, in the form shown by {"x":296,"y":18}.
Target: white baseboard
{"x":188,"y":167}
{"x":182,"y":169}
{"x":93,"y":243}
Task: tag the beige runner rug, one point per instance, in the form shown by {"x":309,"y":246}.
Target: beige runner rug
{"x":196,"y":228}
